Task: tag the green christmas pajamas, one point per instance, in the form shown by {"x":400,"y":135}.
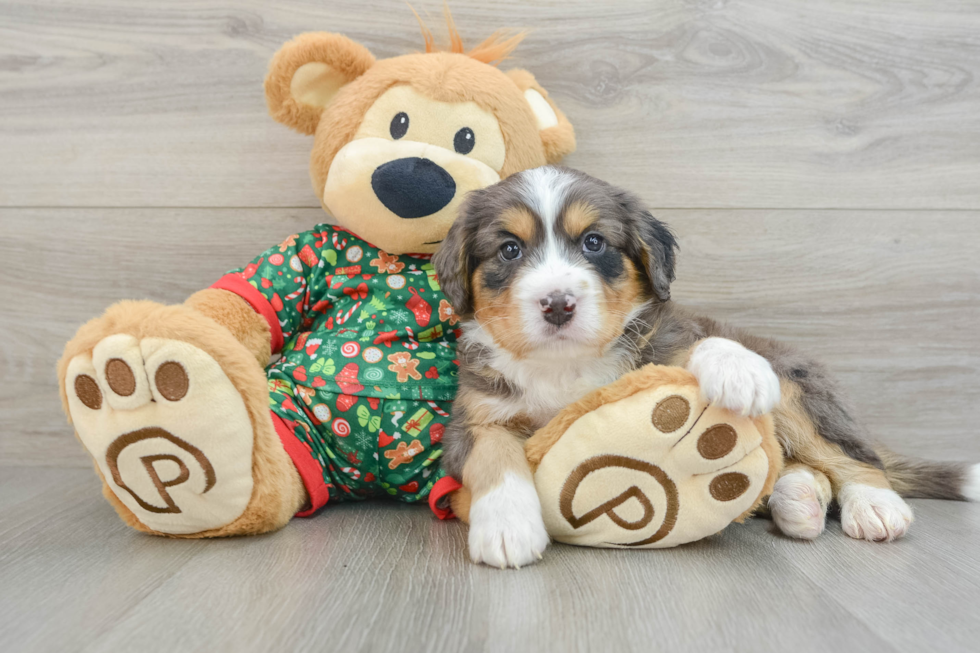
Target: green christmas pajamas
{"x":361,"y":393}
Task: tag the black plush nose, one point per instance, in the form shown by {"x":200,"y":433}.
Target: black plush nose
{"x":413,"y":187}
{"x":558,"y":308}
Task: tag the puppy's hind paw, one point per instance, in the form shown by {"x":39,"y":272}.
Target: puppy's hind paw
{"x":796,"y":507}
{"x":872,"y":513}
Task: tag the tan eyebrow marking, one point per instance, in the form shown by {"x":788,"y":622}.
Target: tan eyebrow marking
{"x":578,"y":217}
{"x":519,"y":221}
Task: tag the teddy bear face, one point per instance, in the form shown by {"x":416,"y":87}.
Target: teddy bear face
{"x":400,"y":142}
{"x":399,"y":181}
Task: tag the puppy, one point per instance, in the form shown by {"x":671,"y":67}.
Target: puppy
{"x":564,"y":285}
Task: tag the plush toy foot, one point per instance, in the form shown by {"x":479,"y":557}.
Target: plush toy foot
{"x":175,"y":414}
{"x":645,"y":462}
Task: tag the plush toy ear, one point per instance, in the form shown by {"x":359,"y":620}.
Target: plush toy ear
{"x":306,"y":74}
{"x":557,"y":134}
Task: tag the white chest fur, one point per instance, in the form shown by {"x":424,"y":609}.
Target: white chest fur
{"x":547,"y":381}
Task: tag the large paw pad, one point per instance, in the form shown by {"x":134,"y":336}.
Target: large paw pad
{"x":168,"y":430}
{"x":657,"y":468}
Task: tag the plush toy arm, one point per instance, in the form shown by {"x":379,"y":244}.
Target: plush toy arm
{"x":289,"y":283}
{"x":232,"y":312}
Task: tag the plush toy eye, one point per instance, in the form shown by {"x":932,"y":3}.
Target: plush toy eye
{"x":510,"y":251}
{"x":593,"y":244}
{"x":399,"y":125}
{"x":464,"y":140}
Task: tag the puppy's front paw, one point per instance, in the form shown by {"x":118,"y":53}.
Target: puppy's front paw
{"x":506,"y":528}
{"x":733,"y":377}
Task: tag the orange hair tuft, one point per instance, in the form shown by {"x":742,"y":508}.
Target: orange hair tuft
{"x":493,"y":50}
{"x":497,"y":47}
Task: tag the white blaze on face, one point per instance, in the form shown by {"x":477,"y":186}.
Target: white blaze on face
{"x":553,"y":267}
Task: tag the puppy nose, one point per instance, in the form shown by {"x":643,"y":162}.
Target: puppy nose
{"x":413,"y":187}
{"x":558,"y":308}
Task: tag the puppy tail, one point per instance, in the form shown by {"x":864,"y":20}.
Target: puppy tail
{"x":929,"y":479}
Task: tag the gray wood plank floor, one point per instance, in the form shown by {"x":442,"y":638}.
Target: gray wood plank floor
{"x":818,"y":160}
{"x":386,"y":577}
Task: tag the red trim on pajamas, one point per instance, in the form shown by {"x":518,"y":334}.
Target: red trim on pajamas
{"x":444,"y":486}
{"x":307,"y":466}
{"x":233,"y":282}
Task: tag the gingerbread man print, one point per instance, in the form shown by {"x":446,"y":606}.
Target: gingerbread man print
{"x":403,"y":453}
{"x":404,"y":366}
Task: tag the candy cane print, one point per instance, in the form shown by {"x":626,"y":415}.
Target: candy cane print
{"x":437,"y":410}
{"x":299,"y":291}
{"x":353,"y":472}
{"x":410,"y":343}
{"x":343,"y":316}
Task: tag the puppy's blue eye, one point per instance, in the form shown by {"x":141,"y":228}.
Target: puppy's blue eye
{"x":593,"y":244}
{"x":399,"y":125}
{"x":510,"y":251}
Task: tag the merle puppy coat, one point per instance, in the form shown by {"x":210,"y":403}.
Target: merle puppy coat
{"x":564,"y":283}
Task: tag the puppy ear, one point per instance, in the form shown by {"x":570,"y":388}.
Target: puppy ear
{"x":306,"y":74}
{"x":453,"y":261}
{"x":653,"y":244}
{"x":659,"y":247}
{"x":557,"y":134}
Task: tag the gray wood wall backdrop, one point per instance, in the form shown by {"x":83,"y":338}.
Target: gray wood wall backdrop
{"x":820,"y":162}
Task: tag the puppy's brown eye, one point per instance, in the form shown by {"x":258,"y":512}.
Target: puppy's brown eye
{"x":464,"y":140}
{"x":593,"y":244}
{"x":510,"y":251}
{"x":399,"y":125}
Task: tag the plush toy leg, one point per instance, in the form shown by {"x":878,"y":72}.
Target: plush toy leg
{"x":645,"y":462}
{"x":175,"y":413}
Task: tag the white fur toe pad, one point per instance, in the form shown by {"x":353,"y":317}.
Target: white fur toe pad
{"x":506,"y":528}
{"x":795,"y":506}
{"x":872,"y":513}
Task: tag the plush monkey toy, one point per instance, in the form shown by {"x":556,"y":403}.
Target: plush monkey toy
{"x":173,"y":402}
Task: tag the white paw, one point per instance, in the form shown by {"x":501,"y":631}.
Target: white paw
{"x":506,"y":528}
{"x":872,"y":513}
{"x":735,"y":378}
{"x":168,"y":430}
{"x":795,"y":506}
